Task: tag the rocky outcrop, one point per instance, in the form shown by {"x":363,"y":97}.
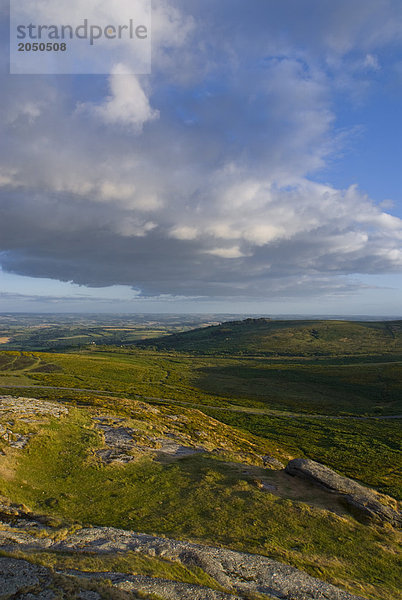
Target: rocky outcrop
{"x":29,"y":409}
{"x":271,"y":461}
{"x":18,"y":576}
{"x":25,"y":581}
{"x":162,"y":588}
{"x":240,"y":573}
{"x":360,"y":500}
{"x":124,"y":444}
{"x":14,"y":411}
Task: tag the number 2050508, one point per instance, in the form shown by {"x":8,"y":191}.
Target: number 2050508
{"x":42,"y":47}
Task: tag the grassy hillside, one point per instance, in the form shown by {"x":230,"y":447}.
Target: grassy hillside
{"x":280,"y":393}
{"x":288,"y":338}
{"x":169,"y":439}
{"x":271,"y":398}
{"x":302,"y":386}
{"x":227,"y":410}
{"x":351,"y":389}
{"x":215,"y":496}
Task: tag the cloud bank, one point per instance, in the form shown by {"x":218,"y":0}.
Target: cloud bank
{"x":201,"y":180}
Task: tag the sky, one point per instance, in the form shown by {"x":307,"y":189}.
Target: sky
{"x":256,"y":169}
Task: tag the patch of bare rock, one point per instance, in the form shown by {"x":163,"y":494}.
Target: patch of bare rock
{"x":123,"y":444}
{"x":24,"y":410}
{"x":163,"y":588}
{"x":25,"y":581}
{"x":360,"y":500}
{"x":28,"y":408}
{"x":241,"y":574}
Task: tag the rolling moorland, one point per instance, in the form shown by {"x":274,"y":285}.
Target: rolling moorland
{"x":187,"y":436}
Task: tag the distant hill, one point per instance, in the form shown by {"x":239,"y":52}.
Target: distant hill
{"x":287,"y":338}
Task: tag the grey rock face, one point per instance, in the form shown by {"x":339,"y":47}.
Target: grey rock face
{"x":120,"y":442}
{"x":359,"y":499}
{"x":243,"y":574}
{"x":88,"y":595}
{"x":17,"y":576}
{"x":25,"y":581}
{"x":272,"y":462}
{"x":240,"y":572}
{"x":163,"y":588}
{"x":26,"y":410}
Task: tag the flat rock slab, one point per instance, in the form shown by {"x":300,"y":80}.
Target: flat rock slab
{"x":25,"y":581}
{"x":17,"y":576}
{"x":164,"y":588}
{"x":362,"y":500}
{"x":24,"y":410}
{"x":121,"y":442}
{"x":243,"y":574}
{"x":28,"y":408}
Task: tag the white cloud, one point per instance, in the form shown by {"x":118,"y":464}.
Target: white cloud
{"x":131,"y":227}
{"x":8,"y":177}
{"x":263,"y":234}
{"x":224,"y":207}
{"x":128,"y":104}
{"x":233,"y":252}
{"x":184,"y":233}
{"x":371,"y":62}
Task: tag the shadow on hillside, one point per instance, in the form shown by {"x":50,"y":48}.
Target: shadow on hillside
{"x":354,"y":390}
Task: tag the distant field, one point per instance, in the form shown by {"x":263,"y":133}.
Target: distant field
{"x":63,"y":333}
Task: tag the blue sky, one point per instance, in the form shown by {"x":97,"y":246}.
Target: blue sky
{"x":257,"y":169}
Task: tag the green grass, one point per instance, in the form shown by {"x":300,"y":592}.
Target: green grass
{"x":286,"y":370}
{"x":365,"y":450}
{"x":288,"y":338}
{"x":368,"y":451}
{"x":348,"y":389}
{"x":198,"y":498}
{"x":17,"y":367}
{"x":131,"y":563}
{"x":365,"y":389}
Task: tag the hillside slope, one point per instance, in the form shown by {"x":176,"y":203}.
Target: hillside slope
{"x":179,"y":474}
{"x":288,"y":338}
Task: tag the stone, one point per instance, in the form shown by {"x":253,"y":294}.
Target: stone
{"x":272,"y":462}
{"x":88,"y":595}
{"x":362,"y":501}
{"x":17,"y":576}
{"x":242,"y":574}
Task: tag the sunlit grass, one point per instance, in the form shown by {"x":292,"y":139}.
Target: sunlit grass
{"x":200,"y":499}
